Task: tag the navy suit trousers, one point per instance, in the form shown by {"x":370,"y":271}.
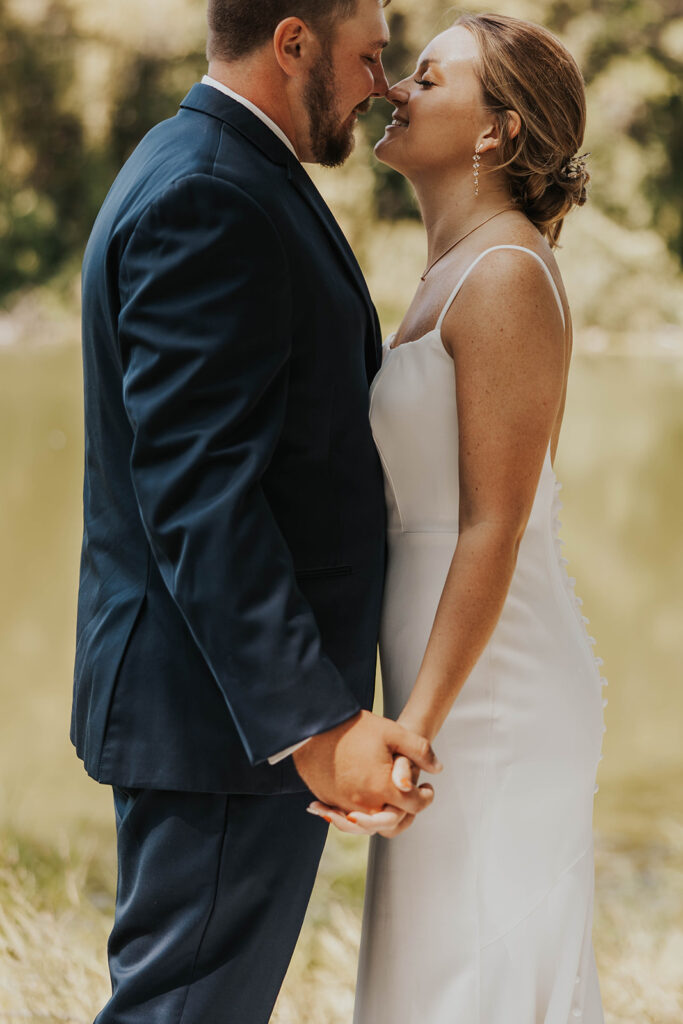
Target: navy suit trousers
{"x":212,"y":893}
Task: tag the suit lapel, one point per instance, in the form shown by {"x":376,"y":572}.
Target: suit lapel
{"x":307,"y":189}
{"x":207,"y":100}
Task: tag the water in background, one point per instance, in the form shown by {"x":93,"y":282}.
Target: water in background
{"x":621,"y":462}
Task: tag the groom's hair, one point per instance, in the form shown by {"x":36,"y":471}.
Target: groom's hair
{"x":238,"y":27}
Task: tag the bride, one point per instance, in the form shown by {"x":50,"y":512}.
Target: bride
{"x":482,"y":912}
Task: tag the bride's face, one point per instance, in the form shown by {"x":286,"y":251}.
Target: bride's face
{"x":440,"y":113}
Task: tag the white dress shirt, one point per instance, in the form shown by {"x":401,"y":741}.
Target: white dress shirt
{"x":275,"y":129}
{"x":206,"y":80}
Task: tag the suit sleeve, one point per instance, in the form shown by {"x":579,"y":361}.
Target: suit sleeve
{"x":205,"y":342}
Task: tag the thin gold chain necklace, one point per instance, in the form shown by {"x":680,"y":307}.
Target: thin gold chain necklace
{"x":462,"y":239}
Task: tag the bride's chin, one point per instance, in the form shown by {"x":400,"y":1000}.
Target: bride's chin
{"x":383,"y":152}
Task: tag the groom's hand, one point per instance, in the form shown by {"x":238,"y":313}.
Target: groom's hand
{"x":350,"y":766}
{"x":389,"y":822}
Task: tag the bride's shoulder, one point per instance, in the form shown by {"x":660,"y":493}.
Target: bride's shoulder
{"x":510,"y":288}
{"x":521,"y":266}
{"x":511,"y":256}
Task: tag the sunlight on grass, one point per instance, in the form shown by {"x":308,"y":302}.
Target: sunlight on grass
{"x":55,"y":912}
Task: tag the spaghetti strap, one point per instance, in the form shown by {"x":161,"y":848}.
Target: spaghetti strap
{"x":450,"y":300}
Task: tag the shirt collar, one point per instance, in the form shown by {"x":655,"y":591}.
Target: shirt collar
{"x":207,"y":80}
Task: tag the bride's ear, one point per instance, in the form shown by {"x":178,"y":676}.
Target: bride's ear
{"x":490,"y":138}
{"x":514,"y":123}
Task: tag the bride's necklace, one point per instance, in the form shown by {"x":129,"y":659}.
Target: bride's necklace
{"x":462,"y":239}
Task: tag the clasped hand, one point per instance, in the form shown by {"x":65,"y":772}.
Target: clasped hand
{"x":390,"y":821}
{"x":365,"y":773}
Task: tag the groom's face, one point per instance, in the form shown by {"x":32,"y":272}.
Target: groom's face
{"x":343,"y":80}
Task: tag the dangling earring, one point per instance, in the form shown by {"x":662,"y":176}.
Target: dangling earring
{"x":476,"y":159}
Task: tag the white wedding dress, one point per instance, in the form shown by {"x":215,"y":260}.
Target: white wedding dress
{"x":481,"y":913}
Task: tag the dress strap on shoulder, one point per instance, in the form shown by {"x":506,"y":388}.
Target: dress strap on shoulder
{"x":451,"y":298}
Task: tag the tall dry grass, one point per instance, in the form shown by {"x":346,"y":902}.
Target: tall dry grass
{"x":53,"y":930}
{"x":56,"y":904}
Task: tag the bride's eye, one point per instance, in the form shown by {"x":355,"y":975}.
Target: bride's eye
{"x":424,"y":83}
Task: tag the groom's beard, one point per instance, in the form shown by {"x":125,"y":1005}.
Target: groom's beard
{"x":332,"y":139}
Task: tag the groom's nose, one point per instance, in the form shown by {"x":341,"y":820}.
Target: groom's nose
{"x":381,"y":84}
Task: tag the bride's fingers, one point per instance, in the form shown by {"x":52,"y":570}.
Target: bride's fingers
{"x":404,"y":774}
{"x":388,"y":822}
{"x":388,"y":818}
{"x":336,"y":818}
{"x":358,"y":823}
{"x":402,"y":821}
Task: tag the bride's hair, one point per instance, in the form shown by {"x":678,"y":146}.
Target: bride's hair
{"x":525,"y":68}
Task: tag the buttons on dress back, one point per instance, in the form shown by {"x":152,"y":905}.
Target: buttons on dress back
{"x":577,"y":1012}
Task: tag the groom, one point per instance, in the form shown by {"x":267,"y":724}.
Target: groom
{"x":232,"y":562}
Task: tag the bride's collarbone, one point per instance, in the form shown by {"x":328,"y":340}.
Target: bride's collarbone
{"x":423,"y":313}
{"x":432,"y":294}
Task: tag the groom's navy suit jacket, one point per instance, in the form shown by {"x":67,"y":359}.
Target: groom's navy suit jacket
{"x":233,"y":552}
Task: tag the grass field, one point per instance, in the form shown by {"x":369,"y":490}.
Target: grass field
{"x":620,"y":461}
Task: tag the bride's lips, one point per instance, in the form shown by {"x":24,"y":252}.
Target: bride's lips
{"x":398,"y":122}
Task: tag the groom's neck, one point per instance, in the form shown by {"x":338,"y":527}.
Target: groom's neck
{"x":261,"y":81}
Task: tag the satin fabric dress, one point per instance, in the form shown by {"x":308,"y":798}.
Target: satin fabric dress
{"x":481,"y":913}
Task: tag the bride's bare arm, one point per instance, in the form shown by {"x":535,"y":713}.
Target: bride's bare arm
{"x":507,"y":341}
{"x":508,"y":344}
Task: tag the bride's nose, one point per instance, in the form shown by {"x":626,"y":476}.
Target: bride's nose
{"x":398,"y":94}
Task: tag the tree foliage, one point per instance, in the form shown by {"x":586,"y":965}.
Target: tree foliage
{"x":79,"y":86}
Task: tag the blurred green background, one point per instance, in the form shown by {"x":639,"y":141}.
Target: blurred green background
{"x":80,"y":83}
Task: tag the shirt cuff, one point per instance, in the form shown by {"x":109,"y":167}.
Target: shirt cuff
{"x":285,"y":753}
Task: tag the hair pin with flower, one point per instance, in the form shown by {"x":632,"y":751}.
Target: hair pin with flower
{"x":576,"y":167}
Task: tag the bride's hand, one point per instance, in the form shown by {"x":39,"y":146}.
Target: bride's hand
{"x":389,"y":822}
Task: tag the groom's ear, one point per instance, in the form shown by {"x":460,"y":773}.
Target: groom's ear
{"x":294,"y":46}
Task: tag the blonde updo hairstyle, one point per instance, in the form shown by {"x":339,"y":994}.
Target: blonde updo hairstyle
{"x":525,"y":68}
